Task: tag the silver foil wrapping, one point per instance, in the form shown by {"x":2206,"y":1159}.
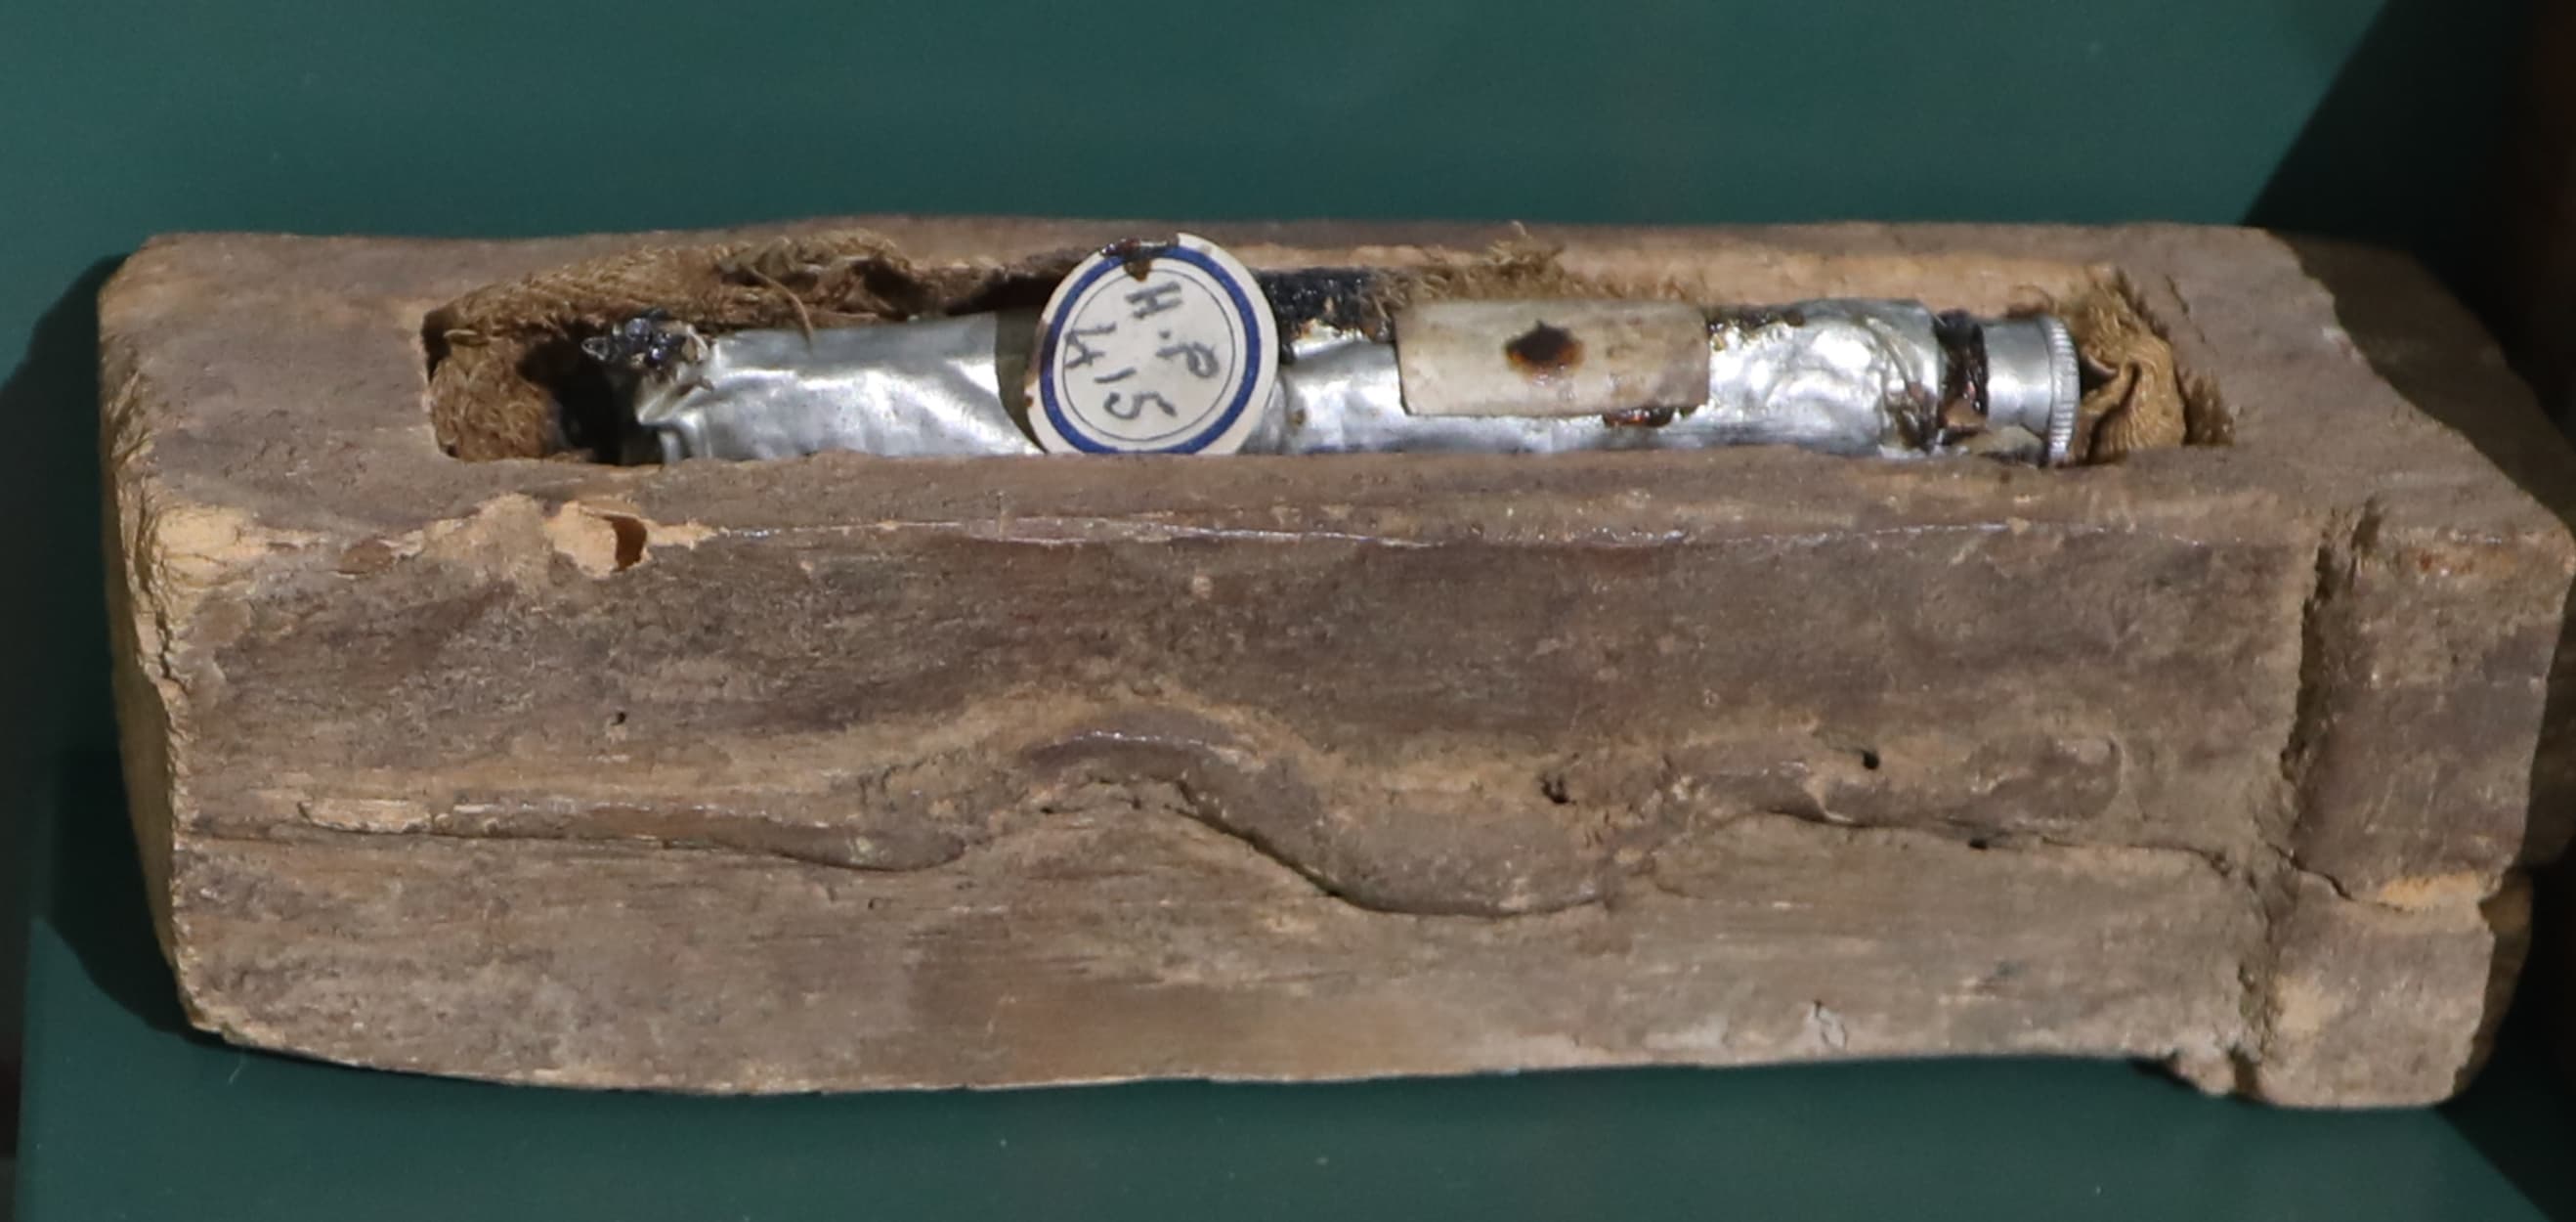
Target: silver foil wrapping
{"x":1845,"y":377}
{"x":916,"y":389}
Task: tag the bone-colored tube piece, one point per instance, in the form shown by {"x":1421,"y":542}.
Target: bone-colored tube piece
{"x":1550,"y":358}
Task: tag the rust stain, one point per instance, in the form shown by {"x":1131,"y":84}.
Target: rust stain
{"x":1136,"y":255}
{"x":1544,"y":351}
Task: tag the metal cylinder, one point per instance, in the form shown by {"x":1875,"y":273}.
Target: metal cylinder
{"x":2032,"y":382}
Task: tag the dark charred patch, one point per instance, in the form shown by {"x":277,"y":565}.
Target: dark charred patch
{"x":592,"y":373}
{"x":1754,"y":318}
{"x":1639,"y":418}
{"x":1344,"y":298}
{"x":644,"y":344}
{"x":1962,"y":408}
{"x":1544,"y":351}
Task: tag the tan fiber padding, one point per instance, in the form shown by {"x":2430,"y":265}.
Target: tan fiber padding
{"x":2139,"y":403}
{"x":494,"y":350}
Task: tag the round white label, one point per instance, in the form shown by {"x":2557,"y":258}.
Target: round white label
{"x":1154,"y":348}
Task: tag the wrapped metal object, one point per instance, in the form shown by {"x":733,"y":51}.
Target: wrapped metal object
{"x":919,"y":389}
{"x":1885,"y":378}
{"x":1839,"y":378}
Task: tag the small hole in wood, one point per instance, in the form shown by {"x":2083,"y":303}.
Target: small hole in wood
{"x":631,"y":537}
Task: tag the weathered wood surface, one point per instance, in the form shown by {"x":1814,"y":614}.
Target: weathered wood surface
{"x":849,"y":773}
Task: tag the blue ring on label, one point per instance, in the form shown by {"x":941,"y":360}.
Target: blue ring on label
{"x":1242,"y":393}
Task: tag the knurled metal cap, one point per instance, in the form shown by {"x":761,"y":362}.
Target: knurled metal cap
{"x":2031,"y":381}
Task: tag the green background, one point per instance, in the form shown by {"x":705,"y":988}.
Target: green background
{"x":117,"y":121}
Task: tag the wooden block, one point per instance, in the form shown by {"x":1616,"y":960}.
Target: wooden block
{"x":854,"y":773}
